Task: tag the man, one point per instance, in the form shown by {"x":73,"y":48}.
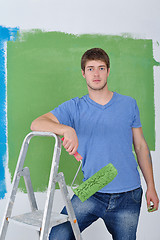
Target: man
{"x":102,"y":126}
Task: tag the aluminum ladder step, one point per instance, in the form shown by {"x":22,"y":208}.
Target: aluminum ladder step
{"x":34,"y":219}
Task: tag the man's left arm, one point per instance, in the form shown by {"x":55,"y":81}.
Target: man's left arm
{"x":145,"y":164}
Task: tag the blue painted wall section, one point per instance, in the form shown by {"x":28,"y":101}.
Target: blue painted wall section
{"x":6,"y":34}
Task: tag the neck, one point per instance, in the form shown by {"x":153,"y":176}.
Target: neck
{"x":100,"y":97}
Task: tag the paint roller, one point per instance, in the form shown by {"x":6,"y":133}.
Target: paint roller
{"x":95,"y":183}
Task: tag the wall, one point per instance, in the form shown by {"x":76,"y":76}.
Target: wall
{"x":129,"y":30}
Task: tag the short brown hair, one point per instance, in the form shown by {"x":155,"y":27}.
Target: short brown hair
{"x":95,"y":54}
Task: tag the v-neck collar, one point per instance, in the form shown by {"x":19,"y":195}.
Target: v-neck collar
{"x":99,"y":105}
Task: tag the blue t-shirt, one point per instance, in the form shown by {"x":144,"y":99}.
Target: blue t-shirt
{"x":105,"y":136}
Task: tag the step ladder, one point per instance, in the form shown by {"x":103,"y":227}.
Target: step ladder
{"x":39,"y":220}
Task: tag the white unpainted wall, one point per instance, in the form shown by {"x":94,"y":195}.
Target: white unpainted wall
{"x":138,"y":18}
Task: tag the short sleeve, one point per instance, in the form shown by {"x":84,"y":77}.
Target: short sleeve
{"x":136,"y":116}
{"x":65,"y":113}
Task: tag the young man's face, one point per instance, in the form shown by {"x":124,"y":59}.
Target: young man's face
{"x":96,"y":74}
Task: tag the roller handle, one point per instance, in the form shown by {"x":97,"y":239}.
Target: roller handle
{"x":77,"y":156}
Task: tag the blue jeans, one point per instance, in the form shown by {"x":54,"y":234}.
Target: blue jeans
{"x":120,"y":213}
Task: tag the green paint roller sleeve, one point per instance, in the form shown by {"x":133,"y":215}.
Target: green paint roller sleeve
{"x":96,"y":182}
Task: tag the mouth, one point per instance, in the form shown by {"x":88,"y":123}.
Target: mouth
{"x":96,"y":80}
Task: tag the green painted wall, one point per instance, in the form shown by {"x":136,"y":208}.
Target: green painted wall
{"x":44,"y":71}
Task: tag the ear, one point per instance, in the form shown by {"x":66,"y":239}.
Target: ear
{"x":108,"y":72}
{"x":83,"y":73}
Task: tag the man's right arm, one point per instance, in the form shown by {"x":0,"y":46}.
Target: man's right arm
{"x":49,"y":123}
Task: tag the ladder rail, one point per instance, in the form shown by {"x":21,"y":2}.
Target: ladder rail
{"x":50,"y":192}
{"x":27,"y":179}
{"x":68,"y":204}
{"x":14,"y":187}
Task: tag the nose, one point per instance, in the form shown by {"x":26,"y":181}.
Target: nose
{"x":96,"y":72}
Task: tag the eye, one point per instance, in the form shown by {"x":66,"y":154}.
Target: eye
{"x":90,"y":69}
{"x":102,"y":68}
